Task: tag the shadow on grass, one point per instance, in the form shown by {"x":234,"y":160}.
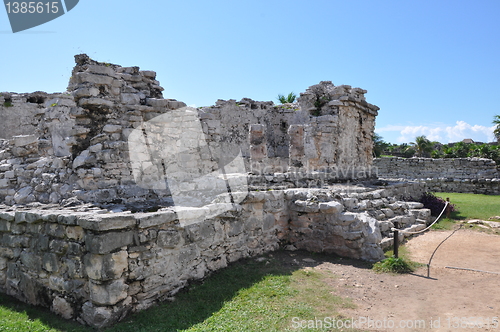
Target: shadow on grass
{"x":455,"y":215}
{"x":35,"y":313}
{"x":199,"y":301}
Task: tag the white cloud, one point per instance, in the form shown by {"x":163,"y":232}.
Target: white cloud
{"x":442,"y":133}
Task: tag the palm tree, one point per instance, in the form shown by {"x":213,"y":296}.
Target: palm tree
{"x":496,"y":132}
{"x":422,"y":146}
{"x":288,"y":99}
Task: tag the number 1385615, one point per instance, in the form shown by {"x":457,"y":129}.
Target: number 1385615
{"x":32,"y":7}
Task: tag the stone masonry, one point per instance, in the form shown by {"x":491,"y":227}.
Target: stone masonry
{"x":467,"y":175}
{"x":113,"y":198}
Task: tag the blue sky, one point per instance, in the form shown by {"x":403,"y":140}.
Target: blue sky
{"x":432,"y":67}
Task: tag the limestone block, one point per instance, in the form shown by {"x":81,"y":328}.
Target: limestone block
{"x":5,"y":183}
{"x":270,"y":221}
{"x":24,"y":140}
{"x":106,"y":222}
{"x":413,"y":228}
{"x":331,"y":207}
{"x":174,"y":104}
{"x":96,"y":316}
{"x":24,"y":195}
{"x":106,"y":267}
{"x":414,"y":205}
{"x":85,"y":157}
{"x":4,"y":225}
{"x":424,"y":214}
{"x":101,"y":70}
{"x":149,"y":74}
{"x":31,"y":261}
{"x":155,"y":219}
{"x":350,"y":202}
{"x":7,"y":215}
{"x":352,"y":236}
{"x":109,"y":128}
{"x":130,"y":99}
{"x":86,"y":92}
{"x":95,"y":102}
{"x":84,"y":77}
{"x":155,"y":102}
{"x":50,"y":262}
{"x":105,"y":243}
{"x":305,"y":206}
{"x":388,"y":212}
{"x":347,"y":218}
{"x":168,"y":239}
{"x":5,"y":167}
{"x":385,"y":226}
{"x":62,"y":307}
{"x":108,"y":293}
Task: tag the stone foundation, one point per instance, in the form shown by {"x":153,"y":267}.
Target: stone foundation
{"x":96,"y":266}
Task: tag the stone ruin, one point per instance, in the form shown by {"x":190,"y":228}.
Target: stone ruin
{"x":114,"y":198}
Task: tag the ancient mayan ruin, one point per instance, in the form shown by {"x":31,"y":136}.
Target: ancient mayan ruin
{"x":113,"y":198}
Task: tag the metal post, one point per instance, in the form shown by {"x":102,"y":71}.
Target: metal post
{"x":396,"y":241}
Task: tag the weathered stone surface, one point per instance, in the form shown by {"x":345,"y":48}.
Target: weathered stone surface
{"x":62,"y":307}
{"x":156,"y":219}
{"x":331,"y":207}
{"x":106,"y":222}
{"x":107,"y":242}
{"x":168,"y":239}
{"x":106,"y":267}
{"x":108,"y":293}
{"x":97,"y":316}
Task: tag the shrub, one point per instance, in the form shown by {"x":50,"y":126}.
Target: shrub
{"x":394,"y":265}
{"x":434,"y":203}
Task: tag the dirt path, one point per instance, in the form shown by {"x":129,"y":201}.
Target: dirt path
{"x":449,"y":300}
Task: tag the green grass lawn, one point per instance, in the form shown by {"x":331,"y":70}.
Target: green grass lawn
{"x":470,"y":206}
{"x":473,"y":206}
{"x":247,"y":296}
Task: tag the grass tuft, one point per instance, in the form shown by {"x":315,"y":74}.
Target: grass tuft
{"x":394,"y":265}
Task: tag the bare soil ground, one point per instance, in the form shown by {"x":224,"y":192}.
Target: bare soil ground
{"x":446,"y":300}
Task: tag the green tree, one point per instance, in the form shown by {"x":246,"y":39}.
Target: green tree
{"x":422,"y":146}
{"x":288,"y":99}
{"x":496,"y":132}
{"x":379,"y":145}
{"x":462,"y":150}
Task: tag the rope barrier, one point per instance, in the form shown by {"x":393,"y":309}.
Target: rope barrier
{"x":423,"y":230}
{"x":467,"y":269}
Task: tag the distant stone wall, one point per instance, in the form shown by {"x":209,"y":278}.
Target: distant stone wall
{"x":96,"y":266}
{"x":468,"y":175}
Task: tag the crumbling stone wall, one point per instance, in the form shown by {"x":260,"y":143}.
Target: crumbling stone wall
{"x":21,"y":113}
{"x":92,"y":228}
{"x":77,"y":146}
{"x":96,"y":266}
{"x":467,"y":175}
